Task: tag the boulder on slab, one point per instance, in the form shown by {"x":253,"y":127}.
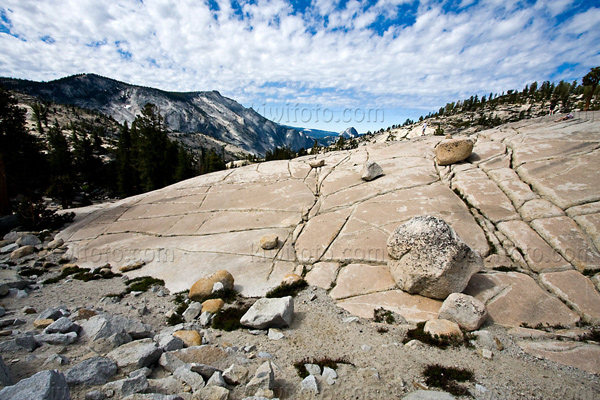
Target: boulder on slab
{"x":465,"y":310}
{"x":93,"y":371}
{"x":316,"y":163}
{"x":370,"y":171}
{"x":270,"y":313}
{"x":269,"y":242}
{"x":450,"y":151}
{"x":428,"y":258}
{"x":45,"y":385}
{"x":212,"y":306}
{"x":204,"y":286}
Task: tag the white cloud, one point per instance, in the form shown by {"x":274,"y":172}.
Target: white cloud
{"x":270,"y":52}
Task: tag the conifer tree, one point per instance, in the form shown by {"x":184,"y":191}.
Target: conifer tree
{"x":591,"y":79}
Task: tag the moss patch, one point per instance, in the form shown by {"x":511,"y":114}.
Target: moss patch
{"x":143,"y":283}
{"x":383,"y":315}
{"x":284,"y":289}
{"x":446,"y":378}
{"x":229,"y":319}
{"x":227,"y":295}
{"x":32,"y":271}
{"x":82,"y":274}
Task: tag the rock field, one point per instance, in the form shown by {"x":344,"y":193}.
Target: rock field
{"x":526,"y":201}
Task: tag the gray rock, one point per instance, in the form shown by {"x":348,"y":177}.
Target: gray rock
{"x":270,"y":313}
{"x":56,"y":338}
{"x":428,"y":258}
{"x":2,"y":309}
{"x":6,"y":378}
{"x":212,"y":393}
{"x":170,"y":362}
{"x":93,"y":371}
{"x":54,"y":313}
{"x":205,"y":370}
{"x":13,"y":280}
{"x":95,"y":395}
{"x":128,"y":386}
{"x":26,"y":341}
{"x":21,"y":252}
{"x":45,"y":385}
{"x":153,"y":396}
{"x":185,"y":374}
{"x":62,"y":325}
{"x":9,"y":248}
{"x":485,"y":340}
{"x":309,"y":384}
{"x":264,"y":378}
{"x":329,"y":375}
{"x":465,"y":310}
{"x":428,"y":395}
{"x":235,"y":374}
{"x":216,"y":380}
{"x":28,"y":240}
{"x":142,"y":371}
{"x":105,"y":345}
{"x":206,"y":319}
{"x":371,"y":170}
{"x":136,"y":354}
{"x":313,"y":369}
{"x":168,"y":342}
{"x":56,"y":359}
{"x":165,"y":385}
{"x":4,"y":289}
{"x":192,"y":312}
{"x":105,"y":325}
{"x":275,"y":334}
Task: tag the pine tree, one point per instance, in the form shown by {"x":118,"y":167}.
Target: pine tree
{"x":591,"y":79}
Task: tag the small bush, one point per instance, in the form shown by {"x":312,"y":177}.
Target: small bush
{"x":229,"y":319}
{"x":383,"y":315}
{"x":443,"y":342}
{"x":446,"y":378}
{"x":82,"y":274}
{"x":593,"y":335}
{"x":382,"y":329}
{"x":32,"y":271}
{"x":175,"y":319}
{"x":143,"y":283}
{"x":284,"y":289}
{"x":227,"y":295}
{"x":503,"y":268}
{"x":321,"y":362}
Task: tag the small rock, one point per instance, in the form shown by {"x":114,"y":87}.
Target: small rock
{"x":313,"y":369}
{"x":207,"y":371}
{"x":212,"y":393}
{"x":371,"y":170}
{"x":189,"y":338}
{"x":132,"y":265}
{"x":329,"y":375}
{"x":270,"y":313}
{"x":56,"y":338}
{"x":6,"y":378}
{"x":54,"y":313}
{"x":485,"y":353}
{"x":9,"y":248}
{"x":28,"y":240}
{"x":316,"y":163}
{"x":290,"y":279}
{"x":264,"y":378}
{"x":348,"y":320}
{"x":204,"y":287}
{"x":484,"y":339}
{"x":170,"y":362}
{"x":136,"y":354}
{"x":192,"y":312}
{"x":95,"y":395}
{"x":216,"y":380}
{"x":428,"y":395}
{"x":309,"y":384}
{"x":275,"y":334}
{"x":465,"y":310}
{"x":27,"y":341}
{"x":56,"y":359}
{"x":365,"y":348}
{"x":28,"y":310}
{"x":142,"y":371}
{"x":443,"y":327}
{"x":212,"y":305}
{"x":269,"y":242}
{"x":21,"y":252}
{"x":185,"y":374}
{"x":4,"y":289}
{"x":45,"y":385}
{"x":56,"y":243}
{"x":168,"y":342}
{"x":235,"y":374}
{"x":128,"y":386}
{"x":62,"y":325}
{"x":206,"y":319}
{"x":450,"y":151}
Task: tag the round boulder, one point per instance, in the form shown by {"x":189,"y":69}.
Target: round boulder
{"x":465,"y":310}
{"x":450,"y":151}
{"x":371,"y":170}
{"x":443,"y":328}
{"x":269,"y":242}
{"x":428,"y":258}
{"x":204,"y":287}
{"x":212,"y":306}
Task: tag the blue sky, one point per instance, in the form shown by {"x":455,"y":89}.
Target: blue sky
{"x":319,"y":64}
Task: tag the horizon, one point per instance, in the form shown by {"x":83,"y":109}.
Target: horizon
{"x":316,"y":65}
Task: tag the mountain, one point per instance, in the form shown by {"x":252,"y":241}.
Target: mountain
{"x":208,"y":113}
{"x":349,"y":133}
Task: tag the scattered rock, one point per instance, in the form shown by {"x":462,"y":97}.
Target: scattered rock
{"x":192,"y":312}
{"x":443,"y":327}
{"x":269,"y":242}
{"x":62,"y":325}
{"x":56,"y":243}
{"x":95,"y":395}
{"x":212,"y":306}
{"x":313,"y":369}
{"x":105,"y":326}
{"x":309,"y":384}
{"x":264,"y":378}
{"x":216,"y":380}
{"x":206,"y":319}
{"x":21,"y":252}
{"x":9,"y":248}
{"x":485,"y":353}
{"x":168,"y":342}
{"x":270,"y":313}
{"x":137,"y":354}
{"x":275,"y":334}
{"x":316,"y":163}
{"x":428,"y":395}
{"x":128,"y":386}
{"x":484,"y":339}
{"x":189,"y":338}
{"x":56,"y":338}
{"x":28,"y":310}
{"x":329,"y":375}
{"x":54,"y":313}
{"x":235,"y":374}
{"x":28,"y":240}
{"x":204,"y":287}
{"x":6,"y":378}
{"x":170,"y":362}
{"x":428,"y":258}
{"x":93,"y":371}
{"x":27,"y":341}
{"x":45,"y":385}
{"x":4,"y":289}
{"x":450,"y":151}
{"x":185,"y":374}
{"x":290,"y":279}
{"x":56,"y":359}
{"x":207,"y":371}
{"x":132,"y":265}
{"x":42,"y":323}
{"x":465,"y":310}
{"x":371,"y":170}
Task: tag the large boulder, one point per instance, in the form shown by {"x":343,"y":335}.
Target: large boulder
{"x":465,"y":310}
{"x":371,"y":170}
{"x":270,"y":313}
{"x":137,"y":354}
{"x":105,"y":326}
{"x":204,"y":287}
{"x":450,"y":151}
{"x":428,"y":258}
{"x":93,"y":371}
{"x":45,"y":385}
